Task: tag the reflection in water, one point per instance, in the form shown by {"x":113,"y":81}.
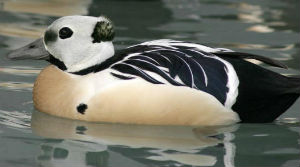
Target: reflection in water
{"x":13,"y":29}
{"x":262,"y":142}
{"x":249,"y":13}
{"x":133,"y":19}
{"x":36,"y":25}
{"x":15,"y":119}
{"x":289,"y":120}
{"x":72,"y":153}
{"x":16,"y":86}
{"x":49,"y":7}
{"x":77,"y":142}
{"x":183,"y":142}
{"x":295,"y":58}
{"x":230,"y":149}
{"x":22,"y":71}
{"x":260,"y":29}
{"x":285,"y":47}
{"x":256,"y":14}
{"x":185,"y":159}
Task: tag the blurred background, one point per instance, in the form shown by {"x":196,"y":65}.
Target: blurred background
{"x":28,"y":138}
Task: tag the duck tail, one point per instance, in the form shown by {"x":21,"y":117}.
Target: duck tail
{"x":263,"y":94}
{"x":272,"y":100}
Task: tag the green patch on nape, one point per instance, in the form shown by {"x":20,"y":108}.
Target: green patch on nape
{"x":103,"y":31}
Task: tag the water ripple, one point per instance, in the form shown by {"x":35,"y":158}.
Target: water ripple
{"x":15,"y":119}
{"x":16,"y":86}
{"x":22,"y":71}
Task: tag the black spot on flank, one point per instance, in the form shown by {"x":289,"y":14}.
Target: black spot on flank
{"x":50,"y":36}
{"x":81,"y":108}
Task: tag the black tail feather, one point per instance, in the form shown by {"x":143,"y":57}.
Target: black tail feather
{"x":266,"y":110}
{"x":263,"y":94}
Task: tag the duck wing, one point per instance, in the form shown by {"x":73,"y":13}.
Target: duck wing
{"x":179,"y":64}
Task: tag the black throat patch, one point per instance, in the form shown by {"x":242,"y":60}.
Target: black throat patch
{"x":61,"y":65}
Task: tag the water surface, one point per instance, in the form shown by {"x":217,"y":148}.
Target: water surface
{"x":30,"y":138}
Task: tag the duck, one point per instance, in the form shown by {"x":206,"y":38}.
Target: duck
{"x":159,"y":82}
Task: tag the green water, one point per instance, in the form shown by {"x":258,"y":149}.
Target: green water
{"x":30,"y":138}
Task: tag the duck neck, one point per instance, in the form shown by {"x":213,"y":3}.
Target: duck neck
{"x":95,"y":54}
{"x":89,"y":63}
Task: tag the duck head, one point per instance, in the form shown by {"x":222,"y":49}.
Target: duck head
{"x":73,"y":43}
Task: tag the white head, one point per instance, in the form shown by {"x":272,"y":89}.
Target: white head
{"x":80,"y":41}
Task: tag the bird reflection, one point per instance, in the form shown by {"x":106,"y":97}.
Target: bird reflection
{"x":94,"y":144}
{"x":72,"y":152}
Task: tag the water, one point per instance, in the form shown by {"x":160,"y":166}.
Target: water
{"x":30,"y":138}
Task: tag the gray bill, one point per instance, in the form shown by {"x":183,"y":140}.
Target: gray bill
{"x":34,"y":50}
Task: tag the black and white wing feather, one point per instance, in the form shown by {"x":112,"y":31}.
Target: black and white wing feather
{"x":179,"y":64}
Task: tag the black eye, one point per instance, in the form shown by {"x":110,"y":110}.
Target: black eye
{"x":65,"y":32}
